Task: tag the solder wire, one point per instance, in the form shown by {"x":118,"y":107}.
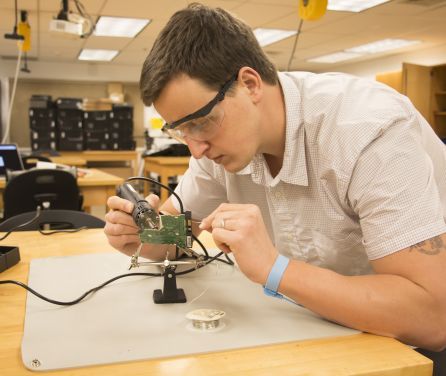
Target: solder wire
{"x":205,"y":325}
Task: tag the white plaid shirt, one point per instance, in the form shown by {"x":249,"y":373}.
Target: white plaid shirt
{"x":363,"y":175}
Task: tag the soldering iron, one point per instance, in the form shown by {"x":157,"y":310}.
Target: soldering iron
{"x":143,"y":214}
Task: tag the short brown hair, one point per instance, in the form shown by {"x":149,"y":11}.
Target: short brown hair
{"x":205,"y":43}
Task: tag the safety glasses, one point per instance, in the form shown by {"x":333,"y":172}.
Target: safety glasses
{"x":202,"y":124}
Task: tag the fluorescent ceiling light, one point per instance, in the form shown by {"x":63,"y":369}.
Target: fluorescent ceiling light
{"x":334,"y":58}
{"x":119,"y":26}
{"x":381,"y":46}
{"x":353,"y":5}
{"x":97,"y":55}
{"x":269,"y":36}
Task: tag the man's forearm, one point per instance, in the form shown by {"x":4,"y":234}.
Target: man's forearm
{"x":382,"y":304}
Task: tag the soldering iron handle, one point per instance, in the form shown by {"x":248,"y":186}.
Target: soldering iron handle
{"x":143,"y":214}
{"x":129,"y":193}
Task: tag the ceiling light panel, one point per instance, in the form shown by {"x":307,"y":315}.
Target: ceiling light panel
{"x":270,"y":36}
{"x":382,"y":46}
{"x":334,"y":58}
{"x":353,"y":5}
{"x":97,"y":55}
{"x":119,"y":26}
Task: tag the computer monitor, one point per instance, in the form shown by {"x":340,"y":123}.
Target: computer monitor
{"x":9,"y":158}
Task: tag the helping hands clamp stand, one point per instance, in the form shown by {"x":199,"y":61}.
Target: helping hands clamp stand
{"x":159,"y":229}
{"x":170,"y":293}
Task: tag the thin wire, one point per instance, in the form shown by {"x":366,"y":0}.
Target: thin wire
{"x":81,"y":9}
{"x":16,"y":76}
{"x":295,"y":44}
{"x":199,"y":295}
{"x":15,"y":25}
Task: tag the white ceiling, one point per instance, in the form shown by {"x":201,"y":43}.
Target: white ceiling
{"x":424,"y":20}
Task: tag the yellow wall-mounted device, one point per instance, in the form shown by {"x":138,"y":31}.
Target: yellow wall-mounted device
{"x":24,"y":30}
{"x":312,"y":10}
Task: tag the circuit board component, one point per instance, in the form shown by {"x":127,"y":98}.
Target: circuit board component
{"x":173,"y":230}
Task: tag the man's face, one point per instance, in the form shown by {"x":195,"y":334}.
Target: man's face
{"x":226,"y":134}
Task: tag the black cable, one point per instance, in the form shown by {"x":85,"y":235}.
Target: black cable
{"x":23,"y":224}
{"x":32,"y":220}
{"x":207,"y":261}
{"x":229,"y":261}
{"x":161,"y":185}
{"x":15,"y":25}
{"x":97,"y":288}
{"x":63,"y":230}
{"x":216,"y":258}
{"x":83,"y":296}
{"x":201,"y":245}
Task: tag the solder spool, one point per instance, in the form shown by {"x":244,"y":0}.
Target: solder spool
{"x":206,"y":319}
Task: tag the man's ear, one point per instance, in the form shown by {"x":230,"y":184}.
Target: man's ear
{"x":249,"y":78}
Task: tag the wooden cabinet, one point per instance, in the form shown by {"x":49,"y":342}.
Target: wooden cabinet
{"x":425,"y":86}
{"x":416,"y":84}
{"x":392,"y":79}
{"x":438,"y":100}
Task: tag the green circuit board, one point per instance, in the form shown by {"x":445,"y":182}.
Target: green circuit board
{"x":173,"y":230}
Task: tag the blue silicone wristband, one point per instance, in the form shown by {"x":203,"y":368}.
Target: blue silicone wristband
{"x":275,"y":276}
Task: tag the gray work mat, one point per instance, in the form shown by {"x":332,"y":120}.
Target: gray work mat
{"x":121,"y":323}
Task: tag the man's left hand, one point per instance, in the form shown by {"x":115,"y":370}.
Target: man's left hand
{"x":239,"y":228}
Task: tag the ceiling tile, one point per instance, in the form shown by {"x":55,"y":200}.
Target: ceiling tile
{"x":334,"y":32}
{"x":256,"y":15}
{"x":58,"y":54}
{"x":50,"y":39}
{"x":90,"y":6}
{"x":21,"y":5}
{"x":292,"y":20}
{"x":142,"y":8}
{"x":131,"y":58}
{"x":107,"y":43}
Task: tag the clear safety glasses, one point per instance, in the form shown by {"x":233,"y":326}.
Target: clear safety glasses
{"x":203,"y":124}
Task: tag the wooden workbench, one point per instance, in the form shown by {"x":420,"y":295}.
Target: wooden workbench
{"x":360,"y":354}
{"x":165,"y":167}
{"x":130,"y":156}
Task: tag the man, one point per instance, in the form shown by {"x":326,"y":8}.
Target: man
{"x":340,"y":176}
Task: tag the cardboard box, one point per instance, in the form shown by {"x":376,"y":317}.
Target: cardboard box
{"x":116,"y":92}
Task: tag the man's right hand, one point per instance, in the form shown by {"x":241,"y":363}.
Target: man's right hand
{"x":120,"y":229}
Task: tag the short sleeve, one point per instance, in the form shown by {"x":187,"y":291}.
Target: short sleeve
{"x":394,"y":193}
